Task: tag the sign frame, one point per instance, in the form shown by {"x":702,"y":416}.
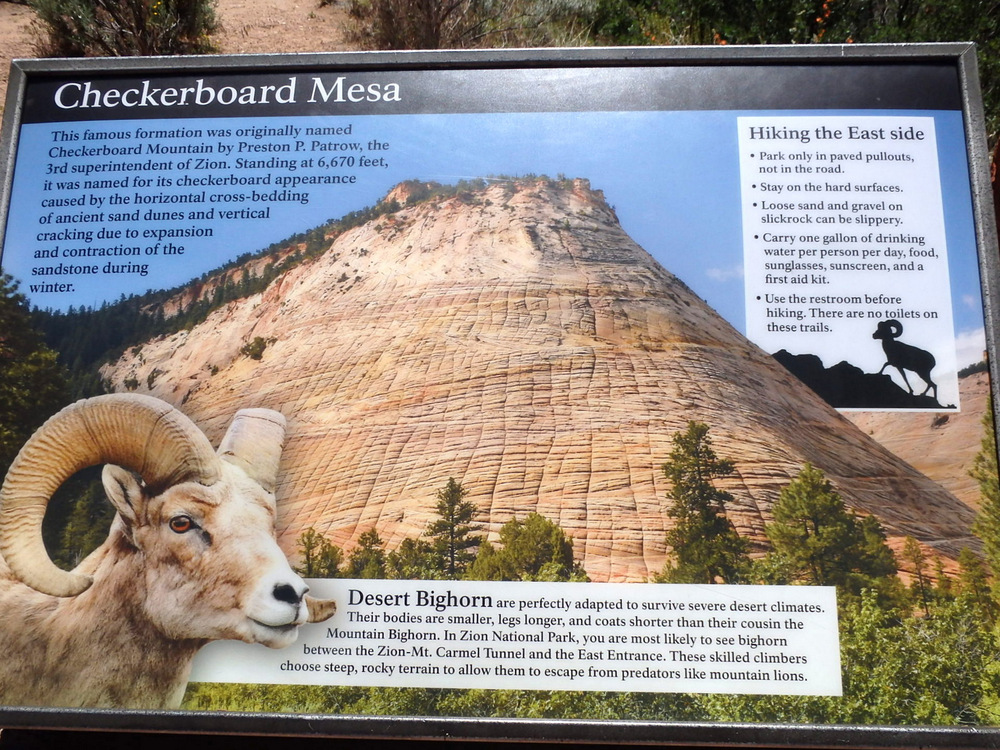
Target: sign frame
{"x":958,"y":58}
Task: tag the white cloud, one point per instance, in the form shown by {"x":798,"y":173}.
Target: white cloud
{"x":725,"y":274}
{"x":969,"y":346}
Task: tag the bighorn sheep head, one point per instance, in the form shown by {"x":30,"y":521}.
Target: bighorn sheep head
{"x":201,"y":521}
{"x":888,"y":329}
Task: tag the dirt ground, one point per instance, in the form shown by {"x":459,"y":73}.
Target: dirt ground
{"x":245,"y":26}
{"x":16,"y":39}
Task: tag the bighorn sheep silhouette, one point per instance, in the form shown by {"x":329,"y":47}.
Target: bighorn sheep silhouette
{"x":903,"y":356}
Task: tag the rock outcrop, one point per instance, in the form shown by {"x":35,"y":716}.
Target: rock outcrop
{"x":941,"y":446}
{"x":516,"y":339}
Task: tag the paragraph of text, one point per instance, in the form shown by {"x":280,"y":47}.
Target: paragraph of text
{"x":551,"y":636}
{"x":844,"y":229}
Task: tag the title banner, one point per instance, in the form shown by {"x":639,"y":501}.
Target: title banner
{"x":546,"y":89}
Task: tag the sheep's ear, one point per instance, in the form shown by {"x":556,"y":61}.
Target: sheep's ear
{"x":124,"y":492}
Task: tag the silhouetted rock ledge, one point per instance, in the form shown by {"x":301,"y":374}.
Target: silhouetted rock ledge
{"x":845,"y":386}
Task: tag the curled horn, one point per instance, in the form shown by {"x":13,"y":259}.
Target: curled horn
{"x":320,"y":609}
{"x":138,"y":432}
{"x":253,"y":443}
{"x":895,"y":328}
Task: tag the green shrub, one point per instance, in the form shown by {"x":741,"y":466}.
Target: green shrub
{"x":125,"y":28}
{"x":255,"y":349}
{"x":457,"y":24}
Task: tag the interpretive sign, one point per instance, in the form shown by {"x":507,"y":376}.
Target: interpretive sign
{"x":639,"y":387}
{"x":836,"y":222}
{"x":623,"y":637}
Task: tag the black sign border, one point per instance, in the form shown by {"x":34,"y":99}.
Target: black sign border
{"x":957,"y":58}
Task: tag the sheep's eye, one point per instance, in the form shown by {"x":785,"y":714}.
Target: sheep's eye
{"x":182,"y":524}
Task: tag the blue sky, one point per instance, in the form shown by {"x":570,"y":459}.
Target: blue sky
{"x":673,"y":178}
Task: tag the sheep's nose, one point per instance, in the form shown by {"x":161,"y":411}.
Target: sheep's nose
{"x":285,"y":592}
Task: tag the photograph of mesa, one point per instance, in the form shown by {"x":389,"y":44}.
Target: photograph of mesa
{"x":509,"y":335}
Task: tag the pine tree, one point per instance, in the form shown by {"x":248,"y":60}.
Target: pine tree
{"x":319,"y":558}
{"x":32,"y":383}
{"x":706,"y":547}
{"x":974,"y":585}
{"x":534,"y":549}
{"x":943,"y":587}
{"x":88,"y":520}
{"x":453,"y":534}
{"x":414,"y":559}
{"x":820,"y":541}
{"x":984,"y":471}
{"x":914,"y":555}
{"x":367,"y":560}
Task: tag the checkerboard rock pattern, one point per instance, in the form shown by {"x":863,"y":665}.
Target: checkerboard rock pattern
{"x":517,"y":339}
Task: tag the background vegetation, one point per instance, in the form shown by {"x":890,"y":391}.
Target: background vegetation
{"x":125,"y":28}
{"x":33,"y":384}
{"x":75,"y":28}
{"x":427,"y":24}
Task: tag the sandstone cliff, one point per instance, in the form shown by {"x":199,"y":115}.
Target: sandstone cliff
{"x":942,"y":446}
{"x":516,"y":339}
